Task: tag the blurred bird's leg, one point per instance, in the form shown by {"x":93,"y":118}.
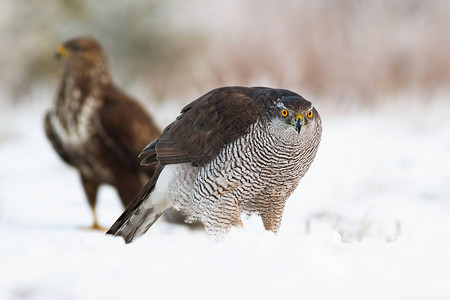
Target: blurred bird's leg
{"x":176,"y":217}
{"x":173,"y":216}
{"x":128,"y":185}
{"x":91,"y":188}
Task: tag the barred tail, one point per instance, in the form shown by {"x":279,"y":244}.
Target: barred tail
{"x":145,"y":209}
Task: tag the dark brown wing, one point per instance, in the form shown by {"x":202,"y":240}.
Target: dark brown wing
{"x":54,"y":140}
{"x":124,"y":126}
{"x":207,"y":124}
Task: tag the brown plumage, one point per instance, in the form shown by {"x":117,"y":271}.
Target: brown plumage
{"x":235,"y":150}
{"x":96,"y":127}
{"x":206,"y":125}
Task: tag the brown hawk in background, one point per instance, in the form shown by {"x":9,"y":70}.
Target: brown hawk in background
{"x":97,"y":128}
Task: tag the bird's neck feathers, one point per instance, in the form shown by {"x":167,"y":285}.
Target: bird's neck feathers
{"x":93,"y":71}
{"x":82,"y":82}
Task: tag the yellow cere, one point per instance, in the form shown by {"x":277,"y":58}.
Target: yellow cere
{"x":299,"y":116}
{"x":61,"y":50}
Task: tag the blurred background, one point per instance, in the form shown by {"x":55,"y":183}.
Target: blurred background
{"x":369,"y":220}
{"x":344,"y":50}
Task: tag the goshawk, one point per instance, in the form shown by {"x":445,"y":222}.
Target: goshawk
{"x":233,"y":151}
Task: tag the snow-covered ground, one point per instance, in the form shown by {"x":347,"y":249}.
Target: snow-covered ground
{"x":370,"y":220}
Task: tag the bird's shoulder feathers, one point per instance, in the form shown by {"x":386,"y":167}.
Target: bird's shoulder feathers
{"x":124,"y":124}
{"x":209,"y":123}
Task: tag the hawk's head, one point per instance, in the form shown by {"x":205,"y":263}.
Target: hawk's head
{"x":84,"y":57}
{"x":295,"y":119}
{"x":81,"y":50}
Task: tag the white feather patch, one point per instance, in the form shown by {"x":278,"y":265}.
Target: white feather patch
{"x":77,"y":133}
{"x":159,"y":198}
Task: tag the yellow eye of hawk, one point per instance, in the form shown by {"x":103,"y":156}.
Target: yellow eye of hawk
{"x":284,"y":113}
{"x":310,"y":114}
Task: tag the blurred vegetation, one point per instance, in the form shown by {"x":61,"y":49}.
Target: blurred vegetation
{"x":137,"y":36}
{"x":346,"y":49}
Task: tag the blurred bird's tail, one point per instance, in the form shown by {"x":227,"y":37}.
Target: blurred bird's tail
{"x":145,"y":209}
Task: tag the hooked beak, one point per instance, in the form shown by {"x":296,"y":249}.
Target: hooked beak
{"x":61,"y":52}
{"x":298,"y":123}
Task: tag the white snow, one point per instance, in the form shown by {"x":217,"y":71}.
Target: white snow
{"x":370,"y":220}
